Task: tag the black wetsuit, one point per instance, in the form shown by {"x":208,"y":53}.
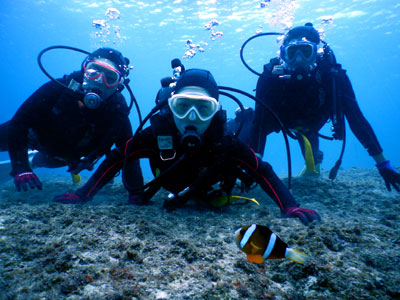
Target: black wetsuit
{"x":219,"y":158}
{"x":306,"y":105}
{"x":54,"y":121}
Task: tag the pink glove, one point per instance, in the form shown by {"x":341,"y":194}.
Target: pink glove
{"x":22,"y":180}
{"x":70,"y":198}
{"x":304,"y":214}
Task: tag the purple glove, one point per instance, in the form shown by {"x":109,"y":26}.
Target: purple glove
{"x":389,"y":174}
{"x":22,"y":180}
{"x":70,"y":198}
{"x":304,"y":214}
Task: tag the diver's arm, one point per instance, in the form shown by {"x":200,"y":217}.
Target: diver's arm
{"x":273,"y":186}
{"x":29,"y":113}
{"x":134,"y":150}
{"x":104,"y":173}
{"x":365,"y":134}
{"x":357,"y":122}
{"x":265,"y":176}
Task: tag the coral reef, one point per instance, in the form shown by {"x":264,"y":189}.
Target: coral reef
{"x":107,"y":249}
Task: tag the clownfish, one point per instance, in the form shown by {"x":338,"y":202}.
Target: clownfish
{"x":260,"y":243}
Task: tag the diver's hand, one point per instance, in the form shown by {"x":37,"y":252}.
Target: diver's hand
{"x":22,"y":180}
{"x":70,"y":198}
{"x":390,"y":175}
{"x":84,"y":164}
{"x":304,"y":214}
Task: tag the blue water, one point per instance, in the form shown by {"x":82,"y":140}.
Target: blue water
{"x":365,"y":36}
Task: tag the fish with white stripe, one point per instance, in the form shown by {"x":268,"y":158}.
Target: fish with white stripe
{"x":260,"y":243}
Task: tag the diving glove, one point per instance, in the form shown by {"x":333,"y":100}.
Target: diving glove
{"x":305,"y":215}
{"x":389,"y":175}
{"x":70,"y":198}
{"x":25,"y":179}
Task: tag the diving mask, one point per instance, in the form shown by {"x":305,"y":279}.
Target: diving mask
{"x":104,"y":72}
{"x":101,"y":80}
{"x":299,"y":53}
{"x":192,"y":105}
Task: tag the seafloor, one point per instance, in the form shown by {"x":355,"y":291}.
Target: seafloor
{"x":109,"y":250}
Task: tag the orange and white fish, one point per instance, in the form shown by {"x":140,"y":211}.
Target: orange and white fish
{"x":260,"y":243}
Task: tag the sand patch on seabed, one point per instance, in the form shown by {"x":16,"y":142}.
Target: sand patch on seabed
{"x":108,"y":250}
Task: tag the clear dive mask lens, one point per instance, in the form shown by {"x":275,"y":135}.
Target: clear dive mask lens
{"x":306,"y":50}
{"x":94,"y":70}
{"x":205,"y":107}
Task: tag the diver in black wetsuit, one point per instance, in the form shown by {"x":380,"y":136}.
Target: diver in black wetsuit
{"x":305,"y":87}
{"x":70,"y":128}
{"x":190,"y":152}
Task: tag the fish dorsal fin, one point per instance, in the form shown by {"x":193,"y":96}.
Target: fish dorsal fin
{"x":255,"y":258}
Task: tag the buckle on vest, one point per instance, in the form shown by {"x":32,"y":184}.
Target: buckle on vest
{"x":165,"y":157}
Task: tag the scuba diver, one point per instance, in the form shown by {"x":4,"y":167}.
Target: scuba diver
{"x":306,"y":88}
{"x":72,"y":121}
{"x":191,"y":154}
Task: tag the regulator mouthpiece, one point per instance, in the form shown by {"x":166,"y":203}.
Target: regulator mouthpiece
{"x":92,"y":100}
{"x":191,"y":140}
